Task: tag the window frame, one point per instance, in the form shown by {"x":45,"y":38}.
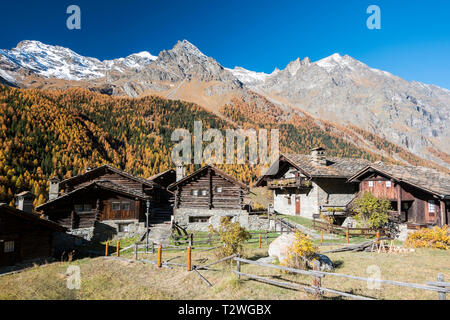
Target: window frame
{"x":431,"y":206}
{"x":113,"y":203}
{"x":388,"y":184}
{"x":122,"y":203}
{"x":9,"y":246}
{"x":203,"y":219}
{"x":370,"y":183}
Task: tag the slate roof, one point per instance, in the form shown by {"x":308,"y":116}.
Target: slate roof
{"x":31,"y":217}
{"x":336,"y":167}
{"x":146,"y":182}
{"x":103,"y":184}
{"x":424,"y":178}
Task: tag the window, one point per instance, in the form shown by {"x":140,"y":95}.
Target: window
{"x":370,"y":184}
{"x":218,"y":189}
{"x":123,"y":227}
{"x":194,"y":192}
{"x":116,"y":206}
{"x":204,"y":192}
{"x":431,"y":206}
{"x":86,"y":207}
{"x":125,"y":206}
{"x":388,"y":184}
{"x":198,"y":219}
{"x":9,"y":246}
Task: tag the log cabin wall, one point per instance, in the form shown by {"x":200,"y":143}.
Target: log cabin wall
{"x":30,"y":240}
{"x":111,"y":207}
{"x":208,"y":191}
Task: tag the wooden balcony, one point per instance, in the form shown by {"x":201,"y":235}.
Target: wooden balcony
{"x":289,"y":183}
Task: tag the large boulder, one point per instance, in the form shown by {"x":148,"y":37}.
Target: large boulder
{"x":349,"y":222}
{"x":322,"y":262}
{"x":279,"y":247}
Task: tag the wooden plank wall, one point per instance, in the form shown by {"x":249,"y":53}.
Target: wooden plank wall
{"x":231,"y":196}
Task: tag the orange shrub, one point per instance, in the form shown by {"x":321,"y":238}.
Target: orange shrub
{"x":436,"y":237}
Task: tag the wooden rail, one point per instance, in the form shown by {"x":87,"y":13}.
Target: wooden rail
{"x":440,"y":286}
{"x":331,"y":228}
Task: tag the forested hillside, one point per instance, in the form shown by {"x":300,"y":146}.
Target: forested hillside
{"x":46,"y":133}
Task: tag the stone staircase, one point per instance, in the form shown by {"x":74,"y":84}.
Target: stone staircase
{"x":160,"y":226}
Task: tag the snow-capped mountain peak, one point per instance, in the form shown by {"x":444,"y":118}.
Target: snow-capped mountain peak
{"x":335,"y":60}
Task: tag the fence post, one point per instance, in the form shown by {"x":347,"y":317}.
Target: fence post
{"x":135,"y":251}
{"x":321,"y":237}
{"x":106,"y":248}
{"x":378,"y":236}
{"x":209,"y":239}
{"x":440,"y":278}
{"x":118,"y":249}
{"x":259,"y":241}
{"x":153,"y":247}
{"x":317,"y":281}
{"x":189,"y":267}
{"x":348,"y":240}
{"x":238,"y":265}
{"x":159,"y":256}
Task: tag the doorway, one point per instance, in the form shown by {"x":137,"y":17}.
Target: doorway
{"x":297,"y":205}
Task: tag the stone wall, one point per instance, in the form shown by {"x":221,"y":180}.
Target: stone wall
{"x":308,"y":201}
{"x":181,"y":216}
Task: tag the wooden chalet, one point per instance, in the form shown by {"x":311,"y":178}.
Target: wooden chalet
{"x":24,"y":236}
{"x":106,"y":199}
{"x":207,"y":194}
{"x":419,"y":196}
{"x":308,"y":185}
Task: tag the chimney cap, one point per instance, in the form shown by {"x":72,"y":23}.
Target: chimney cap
{"x":318,"y":149}
{"x":54,"y":179}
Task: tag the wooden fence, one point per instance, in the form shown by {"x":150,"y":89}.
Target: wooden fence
{"x":191,"y":239}
{"x":439,"y":286}
{"x":331,"y":228}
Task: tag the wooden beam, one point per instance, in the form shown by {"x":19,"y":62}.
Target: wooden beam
{"x":399,"y":199}
{"x":443,"y":212}
{"x":210,"y":188}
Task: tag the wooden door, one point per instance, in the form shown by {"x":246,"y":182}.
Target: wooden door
{"x":297,"y":205}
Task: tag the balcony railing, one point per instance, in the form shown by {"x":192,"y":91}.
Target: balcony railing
{"x":289,"y":183}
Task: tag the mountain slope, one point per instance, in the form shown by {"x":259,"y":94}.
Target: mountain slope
{"x":337,"y":89}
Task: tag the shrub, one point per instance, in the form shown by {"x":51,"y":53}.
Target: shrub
{"x":232,"y":236}
{"x":371,"y":211}
{"x":436,"y":237}
{"x":301,"y":250}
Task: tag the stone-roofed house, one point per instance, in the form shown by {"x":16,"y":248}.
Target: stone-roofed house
{"x":105,"y":202}
{"x":419,"y":196}
{"x":306,"y":185}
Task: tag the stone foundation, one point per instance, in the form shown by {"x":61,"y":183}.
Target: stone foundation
{"x":111,"y":229}
{"x":250,"y":222}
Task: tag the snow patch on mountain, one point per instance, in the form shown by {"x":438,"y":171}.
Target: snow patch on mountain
{"x":248,"y":77}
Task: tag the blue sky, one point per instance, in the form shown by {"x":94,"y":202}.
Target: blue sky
{"x":414,"y":40}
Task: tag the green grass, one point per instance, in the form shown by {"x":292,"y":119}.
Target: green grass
{"x":110,"y":279}
{"x":300,"y":220}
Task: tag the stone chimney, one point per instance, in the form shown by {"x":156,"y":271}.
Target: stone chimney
{"x":180,"y":172}
{"x":318,"y":156}
{"x":53,"y":192}
{"x":24,"y":201}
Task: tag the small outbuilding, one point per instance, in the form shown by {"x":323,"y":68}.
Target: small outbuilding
{"x":24,"y":236}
